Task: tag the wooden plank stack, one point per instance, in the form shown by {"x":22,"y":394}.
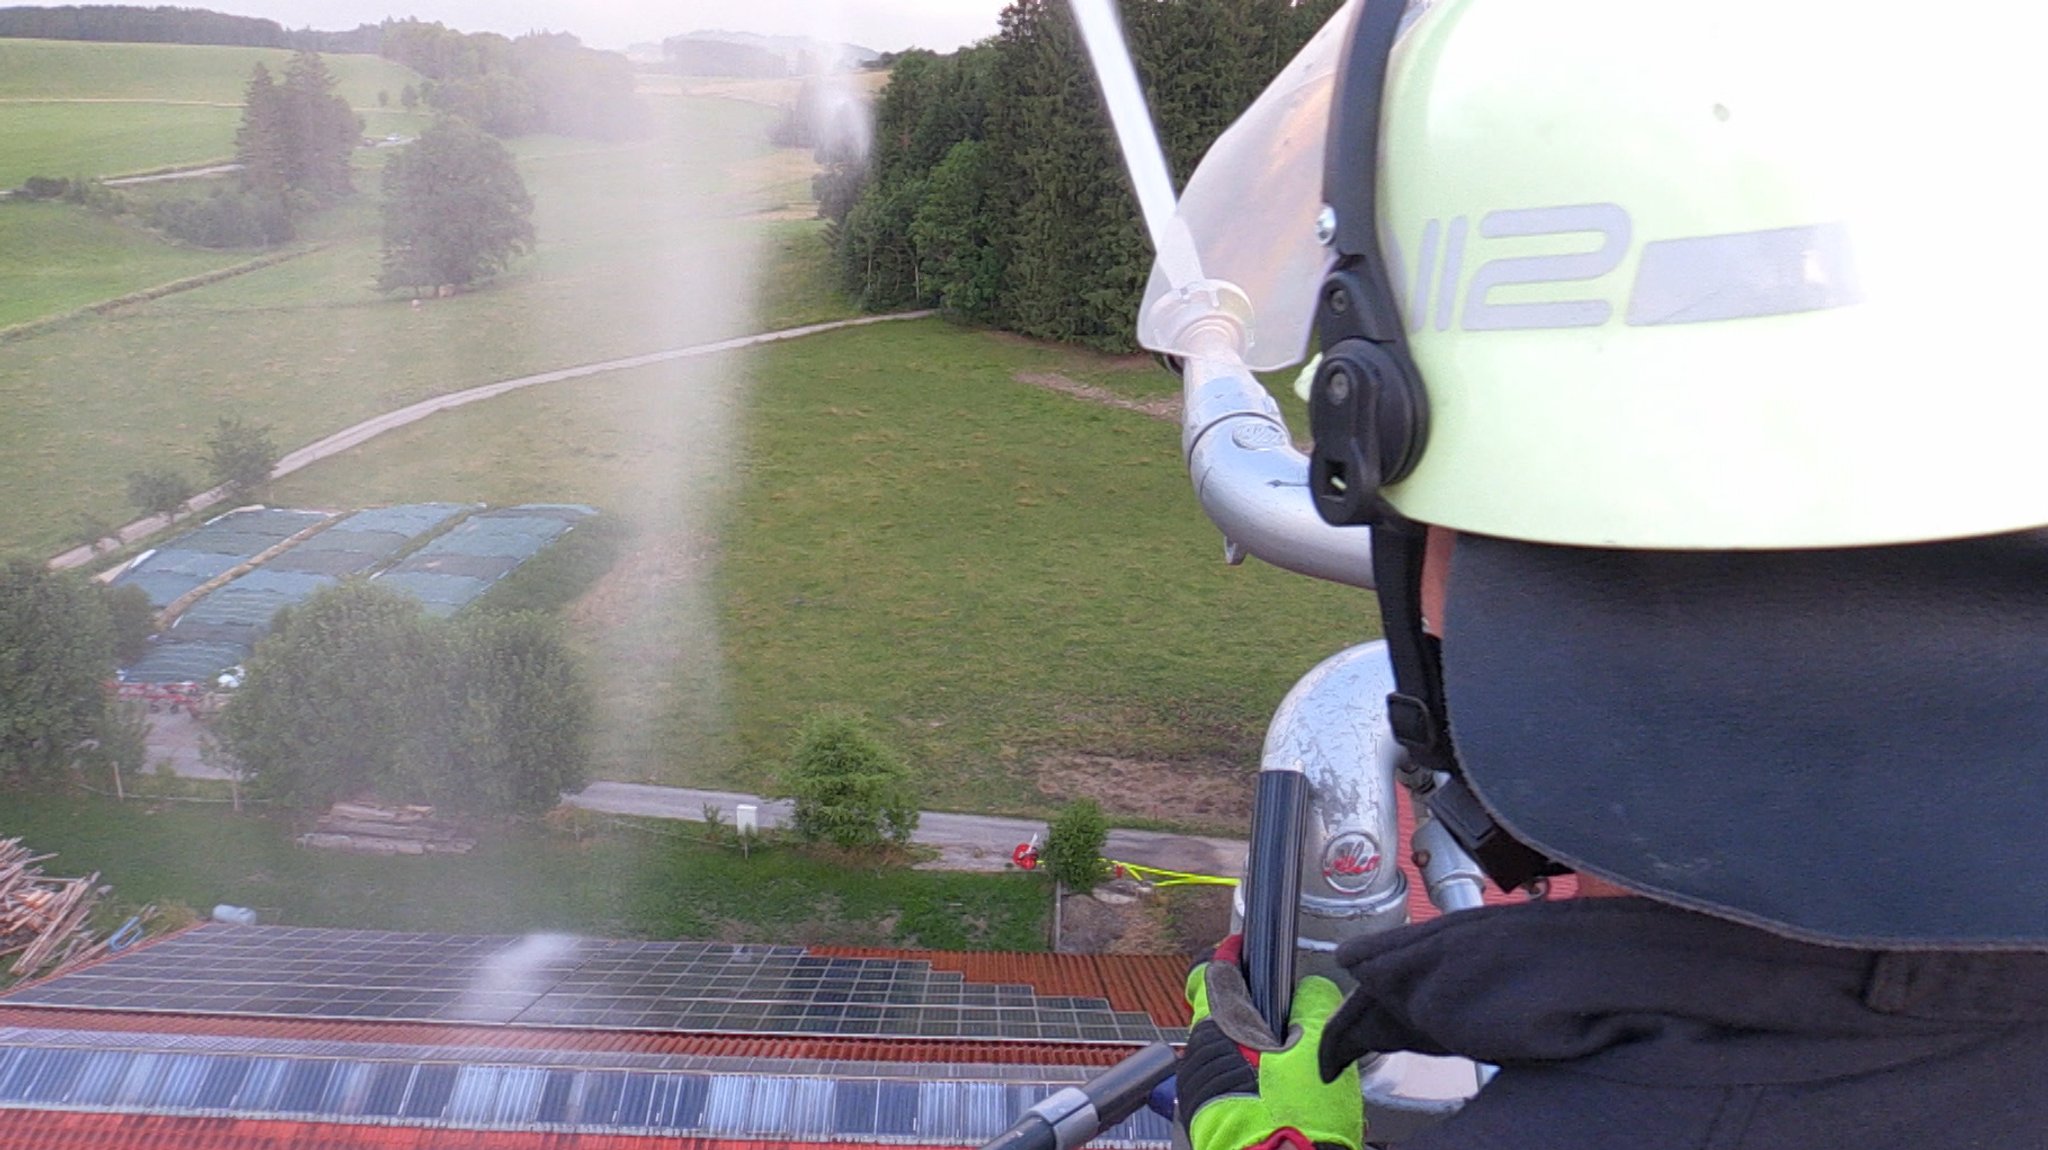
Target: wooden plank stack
{"x":43,"y":920}
{"x":361,"y":828}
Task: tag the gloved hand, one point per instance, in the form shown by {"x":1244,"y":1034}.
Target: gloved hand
{"x":1241,"y":1087}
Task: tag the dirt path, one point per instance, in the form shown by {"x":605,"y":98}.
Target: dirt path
{"x":1166,"y":407}
{"x":181,"y":174}
{"x":375,"y":426}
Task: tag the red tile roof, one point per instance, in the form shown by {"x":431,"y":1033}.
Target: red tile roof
{"x":1152,"y":983}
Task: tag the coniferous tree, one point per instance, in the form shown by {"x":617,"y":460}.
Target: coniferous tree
{"x":1041,"y":208}
{"x":296,"y":138}
{"x":263,"y":144}
{"x":322,"y":128}
{"x":952,"y":234}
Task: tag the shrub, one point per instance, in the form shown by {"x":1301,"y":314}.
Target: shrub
{"x":225,"y":220}
{"x":134,"y":621}
{"x":46,"y":187}
{"x":240,"y":456}
{"x":850,"y":790}
{"x":159,"y":491}
{"x":1073,"y":846}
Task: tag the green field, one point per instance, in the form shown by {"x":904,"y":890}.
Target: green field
{"x":642,"y":246}
{"x":1015,"y":585}
{"x":76,"y":109}
{"x":619,"y":882}
{"x":54,"y":257}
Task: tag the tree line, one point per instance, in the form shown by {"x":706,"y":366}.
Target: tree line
{"x":995,"y":190}
{"x":134,"y":24}
{"x":539,"y":82}
{"x":354,"y":692}
{"x":137,"y":25}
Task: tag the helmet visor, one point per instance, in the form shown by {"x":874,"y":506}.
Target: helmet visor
{"x":1249,"y":217}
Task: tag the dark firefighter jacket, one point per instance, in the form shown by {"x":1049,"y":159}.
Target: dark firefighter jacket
{"x":1624,"y":1024}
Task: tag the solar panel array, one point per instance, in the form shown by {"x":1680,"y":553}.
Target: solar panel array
{"x":454,"y":569}
{"x":44,"y":1069}
{"x":303,"y":972}
{"x":220,"y":630}
{"x":189,"y":561}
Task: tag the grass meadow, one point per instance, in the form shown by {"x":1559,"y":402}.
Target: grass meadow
{"x":642,"y":246}
{"x":54,"y":257}
{"x":1014,"y":585}
{"x":78,"y":109}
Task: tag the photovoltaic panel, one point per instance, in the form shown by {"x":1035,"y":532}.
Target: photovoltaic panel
{"x":482,"y":1092}
{"x":548,"y":980}
{"x":182,"y":662}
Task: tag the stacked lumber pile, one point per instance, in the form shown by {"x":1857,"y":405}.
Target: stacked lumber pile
{"x":362,"y":828}
{"x":43,"y":919}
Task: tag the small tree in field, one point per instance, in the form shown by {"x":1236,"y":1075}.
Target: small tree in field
{"x":240,"y":456}
{"x":455,"y":209}
{"x":1073,"y":846}
{"x":159,"y":491}
{"x":850,"y":790}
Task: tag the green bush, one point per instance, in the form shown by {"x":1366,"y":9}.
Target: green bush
{"x":225,"y":220}
{"x":1073,"y":846}
{"x":45,"y":188}
{"x":240,"y":456}
{"x":850,"y":790}
{"x":134,"y":620}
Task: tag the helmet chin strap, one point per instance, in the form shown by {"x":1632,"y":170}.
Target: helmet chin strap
{"x":1369,"y":412}
{"x":1417,"y":713}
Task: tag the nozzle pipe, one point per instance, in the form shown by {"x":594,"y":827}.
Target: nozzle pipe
{"x":1454,"y":880}
{"x":1253,"y":483}
{"x":1072,"y":1117}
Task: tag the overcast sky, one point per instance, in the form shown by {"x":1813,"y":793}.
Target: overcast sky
{"x":884,"y":25}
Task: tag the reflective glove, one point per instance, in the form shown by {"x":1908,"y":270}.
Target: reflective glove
{"x":1239,"y":1087}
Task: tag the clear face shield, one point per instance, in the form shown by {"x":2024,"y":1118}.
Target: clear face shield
{"x":1241,"y":266}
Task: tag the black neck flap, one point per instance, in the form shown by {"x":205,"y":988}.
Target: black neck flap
{"x":1418,"y":716}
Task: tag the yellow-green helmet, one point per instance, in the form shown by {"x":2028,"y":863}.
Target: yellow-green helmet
{"x":1750,"y":274}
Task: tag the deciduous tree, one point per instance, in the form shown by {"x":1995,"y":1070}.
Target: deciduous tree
{"x":455,"y":209}
{"x":56,"y":656}
{"x":240,"y":456}
{"x":520,"y":714}
{"x":132,"y":620}
{"x":159,"y":491}
{"x":356,"y":692}
{"x":340,"y":699}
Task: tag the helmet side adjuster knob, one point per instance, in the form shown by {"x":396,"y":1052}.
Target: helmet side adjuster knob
{"x":1368,"y":419}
